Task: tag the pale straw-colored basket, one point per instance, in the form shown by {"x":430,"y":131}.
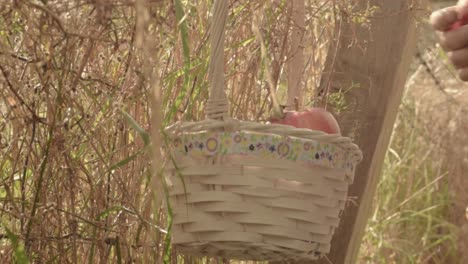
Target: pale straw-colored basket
{"x":246,"y":190}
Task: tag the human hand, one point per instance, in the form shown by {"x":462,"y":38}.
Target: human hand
{"x":450,"y":22}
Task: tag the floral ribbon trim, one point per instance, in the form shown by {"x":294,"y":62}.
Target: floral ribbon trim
{"x":265,"y":146}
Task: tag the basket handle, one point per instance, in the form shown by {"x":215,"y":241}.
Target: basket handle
{"x":218,"y":104}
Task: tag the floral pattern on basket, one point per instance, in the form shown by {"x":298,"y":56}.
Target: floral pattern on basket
{"x":265,"y":146}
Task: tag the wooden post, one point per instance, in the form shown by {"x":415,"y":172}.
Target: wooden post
{"x":376,"y":67}
{"x":295,"y":62}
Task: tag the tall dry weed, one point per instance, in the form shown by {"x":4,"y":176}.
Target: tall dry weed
{"x":82,"y":85}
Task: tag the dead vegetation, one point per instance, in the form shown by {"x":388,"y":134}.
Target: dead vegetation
{"x":78,"y":79}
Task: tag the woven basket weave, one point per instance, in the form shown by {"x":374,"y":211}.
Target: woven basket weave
{"x":245,"y":190}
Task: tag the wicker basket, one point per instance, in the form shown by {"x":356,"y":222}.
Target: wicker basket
{"x":245,"y":190}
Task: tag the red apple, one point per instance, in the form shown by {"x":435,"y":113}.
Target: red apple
{"x":463,"y":21}
{"x":312,"y":118}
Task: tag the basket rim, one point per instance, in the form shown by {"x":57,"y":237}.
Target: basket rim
{"x":234,"y":125}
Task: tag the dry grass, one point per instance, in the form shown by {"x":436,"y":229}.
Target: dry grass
{"x":82,"y":81}
{"x":420,"y":205}
{"x":78,"y":79}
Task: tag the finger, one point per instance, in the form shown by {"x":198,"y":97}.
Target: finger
{"x":455,"y":39}
{"x":442,"y":19}
{"x":462,"y":7}
{"x":463,"y":74}
{"x":459,"y":58}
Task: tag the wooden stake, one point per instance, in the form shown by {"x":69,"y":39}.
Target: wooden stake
{"x":377,"y":71}
{"x":295,"y":63}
